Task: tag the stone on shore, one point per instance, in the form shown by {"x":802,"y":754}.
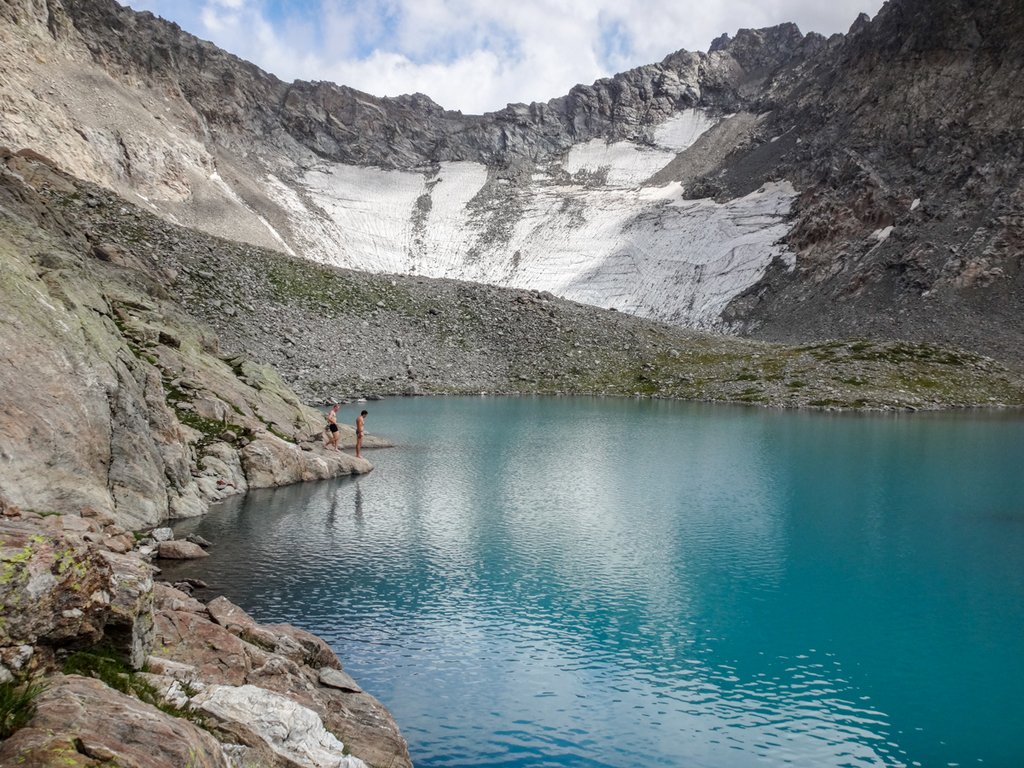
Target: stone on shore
{"x":179,"y":549}
{"x":336,"y":678}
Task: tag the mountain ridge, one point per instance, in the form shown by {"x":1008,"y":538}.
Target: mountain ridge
{"x":891,"y":157}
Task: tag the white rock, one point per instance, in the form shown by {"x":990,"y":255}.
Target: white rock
{"x":289,"y":729}
{"x":162,"y":534}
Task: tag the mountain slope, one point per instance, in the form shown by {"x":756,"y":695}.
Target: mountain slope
{"x":908,"y":145}
{"x":781,"y":185}
{"x":546,"y":196}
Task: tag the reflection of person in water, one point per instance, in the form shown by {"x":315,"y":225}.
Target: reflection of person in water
{"x":332,"y":428}
{"x":359,"y":502}
{"x":332,"y":514}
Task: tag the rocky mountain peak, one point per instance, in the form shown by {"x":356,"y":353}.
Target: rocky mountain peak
{"x":883,"y":167}
{"x":762,"y":49}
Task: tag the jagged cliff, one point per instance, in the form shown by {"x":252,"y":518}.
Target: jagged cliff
{"x":906,"y":142}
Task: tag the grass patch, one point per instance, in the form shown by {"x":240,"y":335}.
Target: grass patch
{"x":17,"y":705}
{"x":110,"y":667}
{"x":104,"y":664}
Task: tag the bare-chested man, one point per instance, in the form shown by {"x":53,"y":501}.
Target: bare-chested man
{"x":332,"y":429}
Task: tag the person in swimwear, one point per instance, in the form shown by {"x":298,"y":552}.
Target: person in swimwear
{"x":359,"y":434}
{"x":332,"y":429}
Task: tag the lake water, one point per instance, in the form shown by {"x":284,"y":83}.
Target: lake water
{"x":588,"y":582}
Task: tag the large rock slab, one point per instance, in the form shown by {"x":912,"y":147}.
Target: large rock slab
{"x":269,"y":461}
{"x":54,"y":589}
{"x":81,"y":722}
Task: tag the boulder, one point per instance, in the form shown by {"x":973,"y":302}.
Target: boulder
{"x":191,"y":638}
{"x":167,"y":598}
{"x":180,"y":550}
{"x":294,"y":734}
{"x":129,"y":626}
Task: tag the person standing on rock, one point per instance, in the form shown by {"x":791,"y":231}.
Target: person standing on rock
{"x":359,"y":434}
{"x":332,"y":428}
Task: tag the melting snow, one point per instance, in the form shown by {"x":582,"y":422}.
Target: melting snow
{"x":643,"y":250}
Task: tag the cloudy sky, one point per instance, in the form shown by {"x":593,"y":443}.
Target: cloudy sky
{"x":478,"y":55}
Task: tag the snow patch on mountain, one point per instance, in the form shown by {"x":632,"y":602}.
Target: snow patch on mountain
{"x":584,"y":228}
{"x":625,"y":164}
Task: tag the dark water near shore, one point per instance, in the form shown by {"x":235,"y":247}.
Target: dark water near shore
{"x":576,"y":582}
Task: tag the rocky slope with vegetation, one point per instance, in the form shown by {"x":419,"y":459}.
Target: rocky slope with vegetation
{"x":120,"y":411}
{"x":335,"y":333}
{"x":114,"y":399}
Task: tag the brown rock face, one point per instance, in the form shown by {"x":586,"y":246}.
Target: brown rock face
{"x":61,"y":592}
{"x":82,"y":722}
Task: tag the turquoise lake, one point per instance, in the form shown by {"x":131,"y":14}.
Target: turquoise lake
{"x":599,"y":582}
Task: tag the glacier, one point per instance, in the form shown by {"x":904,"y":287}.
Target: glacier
{"x":589,"y":226}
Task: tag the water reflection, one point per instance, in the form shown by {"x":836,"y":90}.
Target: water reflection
{"x":582,"y":583}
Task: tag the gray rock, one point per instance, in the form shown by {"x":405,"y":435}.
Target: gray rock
{"x":336,"y":678}
{"x":162,"y":534}
{"x":292,"y":732}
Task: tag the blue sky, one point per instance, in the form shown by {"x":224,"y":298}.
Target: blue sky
{"x":478,"y":55}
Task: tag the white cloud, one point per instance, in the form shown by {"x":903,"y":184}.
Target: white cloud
{"x":476,"y":55}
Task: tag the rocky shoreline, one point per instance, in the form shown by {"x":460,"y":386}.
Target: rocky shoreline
{"x":121,"y":412}
{"x":135,"y":672}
